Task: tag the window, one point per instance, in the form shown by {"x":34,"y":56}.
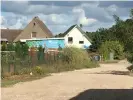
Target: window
{"x":81,"y":42}
{"x":70,"y":39}
{"x":34,"y":24}
{"x":33,"y":35}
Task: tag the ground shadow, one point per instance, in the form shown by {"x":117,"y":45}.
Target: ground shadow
{"x":112,"y":72}
{"x":105,"y":94}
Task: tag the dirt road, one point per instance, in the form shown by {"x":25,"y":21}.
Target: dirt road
{"x":63,"y":86}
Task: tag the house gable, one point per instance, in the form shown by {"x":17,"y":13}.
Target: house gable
{"x":35,"y":26}
{"x":77,"y":36}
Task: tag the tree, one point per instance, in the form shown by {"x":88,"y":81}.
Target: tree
{"x":4,"y":46}
{"x":81,"y":25}
{"x":111,"y":46}
{"x":18,"y":49}
{"x":131,"y":14}
{"x":10,"y":47}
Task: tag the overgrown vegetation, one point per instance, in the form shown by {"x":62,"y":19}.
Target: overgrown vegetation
{"x":108,"y":47}
{"x":66,"y":60}
{"x":122,"y":31}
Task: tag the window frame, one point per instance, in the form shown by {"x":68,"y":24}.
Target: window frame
{"x":70,"y":39}
{"x":35,"y":33}
{"x":81,"y":42}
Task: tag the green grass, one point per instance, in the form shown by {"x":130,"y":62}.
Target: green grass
{"x":10,"y":81}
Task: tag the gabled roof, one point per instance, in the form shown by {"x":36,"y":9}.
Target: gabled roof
{"x":69,"y":29}
{"x":43,"y":26}
{"x":10,"y":34}
{"x":79,"y":28}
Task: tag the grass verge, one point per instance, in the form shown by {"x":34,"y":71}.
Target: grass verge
{"x":10,"y":81}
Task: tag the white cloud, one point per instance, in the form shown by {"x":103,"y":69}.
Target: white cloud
{"x":82,"y":19}
{"x":17,"y":25}
{"x":112,"y":8}
{"x":58,"y":17}
{"x":87,"y":21}
{"x":1,"y":19}
{"x":2,"y":22}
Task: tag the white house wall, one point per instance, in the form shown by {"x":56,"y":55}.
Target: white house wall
{"x":77,"y":36}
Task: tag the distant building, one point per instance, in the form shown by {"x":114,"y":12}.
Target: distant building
{"x":75,"y":36}
{"x":35,"y":29}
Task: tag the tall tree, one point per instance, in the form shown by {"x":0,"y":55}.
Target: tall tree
{"x":131,"y":13}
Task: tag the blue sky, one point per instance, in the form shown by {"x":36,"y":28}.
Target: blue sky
{"x":59,"y":15}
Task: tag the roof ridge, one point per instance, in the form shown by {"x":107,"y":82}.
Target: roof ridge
{"x":41,"y":26}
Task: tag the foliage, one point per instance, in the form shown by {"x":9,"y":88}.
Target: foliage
{"x":76,"y":57}
{"x":10,"y":47}
{"x":81,"y":25}
{"x":21,"y":49}
{"x":40,"y":48}
{"x":130,"y":68}
{"x":38,"y":70}
{"x":18,"y":49}
{"x":4,"y":46}
{"x":24,"y":71}
{"x":131,"y":13}
{"x":25,"y":50}
{"x":122,"y":31}
{"x":111,"y":46}
{"x":130,"y":57}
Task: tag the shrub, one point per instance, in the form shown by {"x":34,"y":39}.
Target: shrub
{"x":4,"y":46}
{"x":130,"y":68}
{"x":25,"y":71}
{"x":18,"y":49}
{"x":75,"y":57}
{"x":40,"y":48}
{"x":129,"y":57}
{"x":25,"y":49}
{"x":70,"y":55}
{"x":10,"y":47}
{"x":6,"y":75}
{"x":111,"y":46}
{"x":38,"y":70}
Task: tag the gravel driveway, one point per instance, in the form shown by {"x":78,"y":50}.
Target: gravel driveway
{"x":66,"y":85}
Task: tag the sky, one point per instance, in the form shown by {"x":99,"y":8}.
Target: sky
{"x":58,"y":16}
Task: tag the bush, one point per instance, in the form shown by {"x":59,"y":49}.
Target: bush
{"x":18,"y":49}
{"x":129,"y":57}
{"x":10,"y":47}
{"x":75,"y":57}
{"x":25,"y":71}
{"x":25,"y":49}
{"x":130,"y":68}
{"x":111,"y":46}
{"x":38,"y":70}
{"x":4,"y":46}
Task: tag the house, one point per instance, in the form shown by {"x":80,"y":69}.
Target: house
{"x":35,"y":29}
{"x":75,"y":36}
